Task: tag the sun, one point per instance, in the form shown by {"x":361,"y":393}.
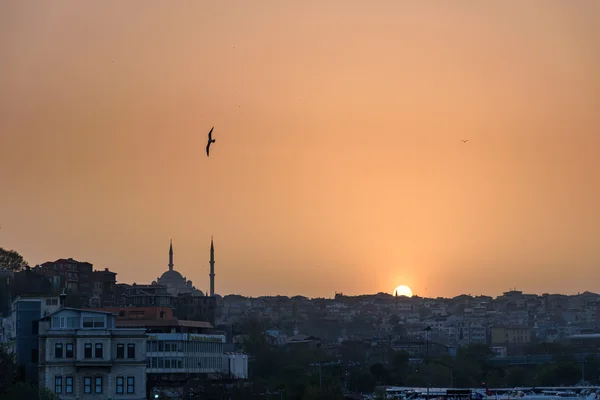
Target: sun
{"x":403,"y":290}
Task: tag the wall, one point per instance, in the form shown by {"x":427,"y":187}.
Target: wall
{"x":237,"y":365}
{"x":28,"y":313}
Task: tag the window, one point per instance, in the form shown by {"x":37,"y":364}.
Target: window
{"x":93,"y":322}
{"x":69,"y":385}
{"x":72,"y":322}
{"x":87,"y":385}
{"x":69,"y":350}
{"x":130,"y":350}
{"x":58,"y":384}
{"x":58,"y":350}
{"x":35,"y":327}
{"x":55,"y":322}
{"x":120,"y":385}
{"x":120,"y":350}
{"x":98,"y":384}
{"x":130,"y":384}
{"x":87,"y":350}
{"x":98,"y":352}
{"x":34,"y":355}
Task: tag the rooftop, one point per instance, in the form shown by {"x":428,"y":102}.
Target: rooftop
{"x":160,"y":323}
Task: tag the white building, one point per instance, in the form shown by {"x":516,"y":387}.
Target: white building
{"x":83,"y":356}
{"x":187,"y":353}
{"x":237,"y":364}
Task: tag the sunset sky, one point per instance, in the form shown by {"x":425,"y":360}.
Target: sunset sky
{"x":338,"y":164}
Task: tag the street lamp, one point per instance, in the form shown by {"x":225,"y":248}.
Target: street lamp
{"x":427,"y":330}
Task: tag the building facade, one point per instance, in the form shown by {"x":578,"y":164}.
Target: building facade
{"x":83,"y":356}
{"x":510,"y":335}
{"x":179,"y":359}
{"x":21,"y":329}
{"x":170,"y":353}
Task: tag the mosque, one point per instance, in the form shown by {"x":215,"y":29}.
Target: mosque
{"x":178,"y":284}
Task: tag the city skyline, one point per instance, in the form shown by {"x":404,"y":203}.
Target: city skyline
{"x":401,"y":290}
{"x":340,"y":163}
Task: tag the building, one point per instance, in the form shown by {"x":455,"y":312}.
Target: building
{"x":196,"y":308}
{"x":139,"y":313}
{"x":22,"y":329}
{"x":180,"y":352}
{"x":510,"y":335}
{"x":96,"y":288}
{"x":186,"y":353}
{"x":28,"y":282}
{"x":149,"y":296}
{"x":175,"y":359}
{"x":68,"y":273}
{"x":174,"y":281}
{"x":185,"y":306}
{"x":82,"y":355}
{"x":103,"y":287}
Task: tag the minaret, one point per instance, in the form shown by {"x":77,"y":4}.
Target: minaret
{"x":171,"y":256}
{"x":212,"y":267}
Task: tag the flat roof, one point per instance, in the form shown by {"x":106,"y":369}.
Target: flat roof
{"x":158,"y":323}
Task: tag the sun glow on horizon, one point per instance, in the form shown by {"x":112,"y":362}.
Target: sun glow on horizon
{"x":403,"y":290}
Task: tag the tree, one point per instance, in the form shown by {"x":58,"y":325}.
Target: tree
{"x":560,"y":373}
{"x":10,"y":386}
{"x":379,"y":372}
{"x":517,"y":377}
{"x":361,"y":381}
{"x":11,"y":260}
{"x":22,"y":390}
{"x":8,"y":372}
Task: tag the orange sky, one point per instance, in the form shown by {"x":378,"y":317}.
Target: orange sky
{"x":338,"y":164}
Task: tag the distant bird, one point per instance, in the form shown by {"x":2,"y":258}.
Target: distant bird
{"x":465,"y":140}
{"x":210,"y":140}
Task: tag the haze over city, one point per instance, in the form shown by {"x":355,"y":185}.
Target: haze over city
{"x":339,"y":162}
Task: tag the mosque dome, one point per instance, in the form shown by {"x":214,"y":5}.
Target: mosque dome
{"x":175,"y":282}
{"x":171,"y":276}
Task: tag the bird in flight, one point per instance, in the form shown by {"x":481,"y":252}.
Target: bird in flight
{"x":210,"y":140}
{"x":465,"y":140}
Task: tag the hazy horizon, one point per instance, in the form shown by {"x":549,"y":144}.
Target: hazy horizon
{"x":338,"y":164}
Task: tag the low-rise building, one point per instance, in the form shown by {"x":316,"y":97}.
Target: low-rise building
{"x":185,"y":353}
{"x":82,"y":355}
{"x":510,"y":335}
{"x":181,"y":352}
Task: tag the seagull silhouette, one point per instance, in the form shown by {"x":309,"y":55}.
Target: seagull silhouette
{"x":465,"y":140}
{"x":210,"y":140}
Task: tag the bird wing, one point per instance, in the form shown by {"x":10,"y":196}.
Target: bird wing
{"x":210,"y":134}
{"x":207,"y":148}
